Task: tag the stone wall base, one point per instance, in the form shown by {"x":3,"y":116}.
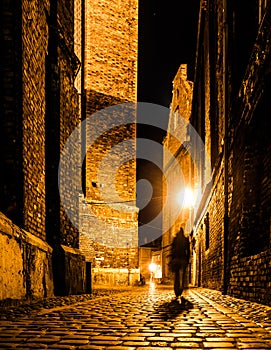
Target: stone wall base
{"x":114,"y":277}
{"x":251,"y":277}
{"x":69,"y":268}
{"x":25,"y":264}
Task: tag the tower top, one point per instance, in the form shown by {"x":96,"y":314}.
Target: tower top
{"x":183,"y":71}
{"x":111,"y":50}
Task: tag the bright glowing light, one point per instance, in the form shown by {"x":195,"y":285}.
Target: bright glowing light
{"x":152,"y":267}
{"x":186,"y":198}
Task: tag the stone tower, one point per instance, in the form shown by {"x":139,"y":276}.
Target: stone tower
{"x":109,"y":216}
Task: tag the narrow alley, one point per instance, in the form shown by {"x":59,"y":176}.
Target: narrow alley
{"x":139,"y":318}
{"x":135,"y":155}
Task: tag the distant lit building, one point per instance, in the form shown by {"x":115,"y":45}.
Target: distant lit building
{"x":175,"y":145}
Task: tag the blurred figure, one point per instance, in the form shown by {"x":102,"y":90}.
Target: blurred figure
{"x":180,"y":254}
{"x":142,"y":281}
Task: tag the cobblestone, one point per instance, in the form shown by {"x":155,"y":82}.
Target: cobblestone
{"x":138,"y":318}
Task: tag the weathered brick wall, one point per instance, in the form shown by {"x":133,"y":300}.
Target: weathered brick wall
{"x":247,"y":273}
{"x":250,"y":277}
{"x":11,"y":193}
{"x":34,"y":48}
{"x":110,"y":79}
{"x":63,"y":117}
{"x":69,"y":119}
{"x":26,"y":268}
{"x":208,"y":120}
{"x":212,"y":252}
{"x":26,"y":264}
{"x":111,"y":47}
{"x":250,"y":200}
{"x":250,"y":210}
{"x":40,"y":110}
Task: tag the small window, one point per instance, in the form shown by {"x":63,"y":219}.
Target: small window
{"x":177,"y":93}
{"x":207,"y":231}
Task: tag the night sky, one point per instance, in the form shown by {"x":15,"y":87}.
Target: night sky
{"x":167,"y":38}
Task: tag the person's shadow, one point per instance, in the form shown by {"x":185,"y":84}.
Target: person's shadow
{"x":173,"y":308}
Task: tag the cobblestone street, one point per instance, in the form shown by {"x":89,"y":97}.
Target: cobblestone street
{"x":139,"y":318}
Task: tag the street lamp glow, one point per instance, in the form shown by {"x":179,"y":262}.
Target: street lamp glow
{"x":152,"y":267}
{"x":186,"y":198}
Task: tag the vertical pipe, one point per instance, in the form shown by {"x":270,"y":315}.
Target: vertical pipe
{"x":226,"y":156}
{"x":83,"y":99}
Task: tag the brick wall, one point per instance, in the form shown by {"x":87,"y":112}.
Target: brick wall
{"x":250,"y":277}
{"x":209,"y":238}
{"x":11,"y":111}
{"x":24,"y":34}
{"x":249,"y":241}
{"x":234,"y":252}
{"x":208,"y":120}
{"x":35,"y":34}
{"x":26,"y":264}
{"x":111,"y":47}
{"x":39,"y":111}
{"x":110,"y":79}
{"x":62,"y":117}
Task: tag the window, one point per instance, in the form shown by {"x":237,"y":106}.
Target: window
{"x":207,"y":231}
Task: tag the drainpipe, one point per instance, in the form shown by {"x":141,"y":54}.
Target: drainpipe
{"x":226,"y":146}
{"x":83,"y":98}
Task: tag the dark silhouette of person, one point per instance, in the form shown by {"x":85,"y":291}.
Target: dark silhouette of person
{"x":180,"y":253}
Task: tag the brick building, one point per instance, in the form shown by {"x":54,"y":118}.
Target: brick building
{"x":177,"y":173}
{"x":109,"y":217}
{"x":39,"y":246}
{"x":230,"y":112}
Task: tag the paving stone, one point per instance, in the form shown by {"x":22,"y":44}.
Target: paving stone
{"x":238,"y":335}
{"x":137,"y":344}
{"x":158,"y":343}
{"x":153,"y":348}
{"x":218,"y":345}
{"x":63,"y":346}
{"x":8,"y":340}
{"x":105,"y":342}
{"x":193,"y":339}
{"x":133,"y":338}
{"x":185,"y":345}
{"x":33,"y":346}
{"x":172,"y":334}
{"x":186,"y":335}
{"x":89,"y":347}
{"x":144,"y":334}
{"x":166,"y":339}
{"x":222,"y":339}
{"x":134,"y":320}
{"x":104,"y":337}
{"x":73,"y":342}
{"x":254,"y":345}
{"x":120,"y":347}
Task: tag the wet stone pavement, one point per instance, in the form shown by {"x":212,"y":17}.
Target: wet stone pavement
{"x":139,"y":318}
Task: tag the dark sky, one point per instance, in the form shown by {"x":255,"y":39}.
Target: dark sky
{"x":167,"y":38}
